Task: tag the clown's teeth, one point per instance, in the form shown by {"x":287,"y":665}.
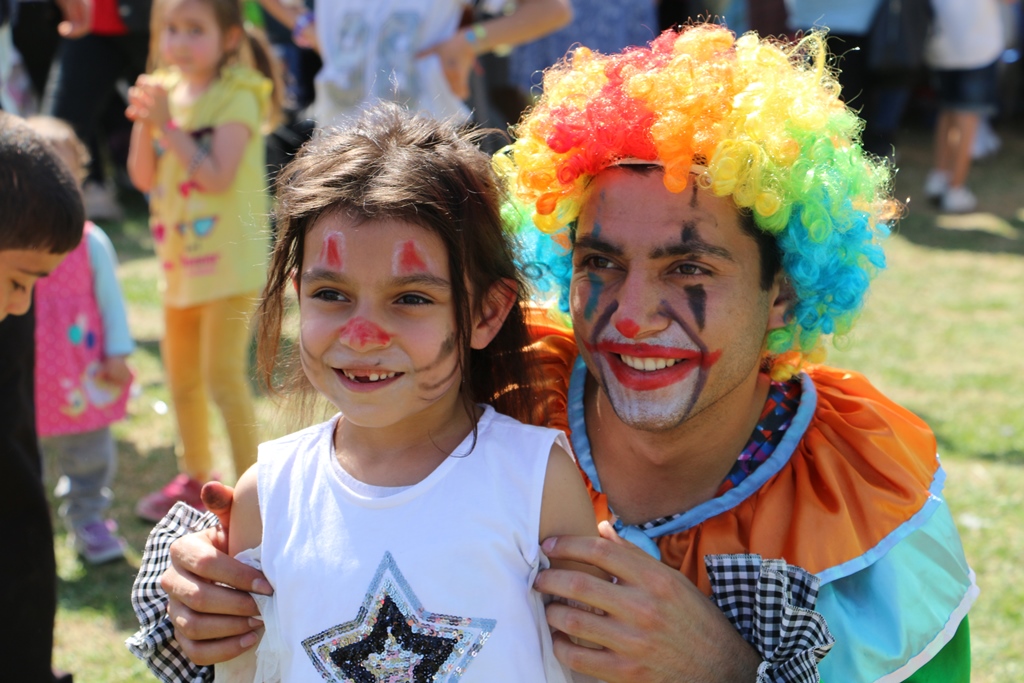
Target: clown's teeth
{"x":648,"y":364}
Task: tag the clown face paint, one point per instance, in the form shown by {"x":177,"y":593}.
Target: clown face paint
{"x":665,"y":299}
{"x":332,"y":251}
{"x":409,"y":259}
{"x":377,"y":331}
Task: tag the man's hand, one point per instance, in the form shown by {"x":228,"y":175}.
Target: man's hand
{"x":655,"y":626}
{"x":212,"y":623}
{"x":77,"y":18}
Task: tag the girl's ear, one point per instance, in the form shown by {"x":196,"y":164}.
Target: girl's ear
{"x":496,"y":304}
{"x":780,"y":298}
{"x":233,"y":39}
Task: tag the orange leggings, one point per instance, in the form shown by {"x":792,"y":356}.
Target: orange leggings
{"x":206,"y":348}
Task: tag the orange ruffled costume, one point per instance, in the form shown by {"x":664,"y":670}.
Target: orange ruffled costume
{"x":857,"y":503}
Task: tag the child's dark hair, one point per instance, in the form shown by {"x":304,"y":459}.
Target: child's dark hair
{"x":40,"y":203}
{"x":254,"y":50}
{"x":390,"y":165}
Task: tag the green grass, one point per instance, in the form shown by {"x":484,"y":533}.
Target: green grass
{"x":942,"y":334}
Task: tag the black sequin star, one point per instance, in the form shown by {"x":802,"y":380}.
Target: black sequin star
{"x":393,"y":638}
{"x":433,"y":650}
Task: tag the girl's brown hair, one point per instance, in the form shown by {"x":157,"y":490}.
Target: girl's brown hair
{"x":390,"y":165}
{"x":254,"y":51}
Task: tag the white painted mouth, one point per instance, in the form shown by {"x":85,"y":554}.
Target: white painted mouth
{"x":372,"y":377}
{"x":648,"y":364}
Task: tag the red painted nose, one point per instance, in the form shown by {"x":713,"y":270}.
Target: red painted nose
{"x":360,"y":333}
{"x":627,"y":328}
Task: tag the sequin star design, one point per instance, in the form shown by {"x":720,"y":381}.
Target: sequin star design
{"x":394,"y":640}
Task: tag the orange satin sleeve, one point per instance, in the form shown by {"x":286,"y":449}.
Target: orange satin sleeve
{"x":863,"y":468}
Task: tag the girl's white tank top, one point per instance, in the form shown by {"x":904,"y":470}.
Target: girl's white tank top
{"x":432,"y":583}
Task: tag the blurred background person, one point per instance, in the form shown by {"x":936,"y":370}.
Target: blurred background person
{"x":967,"y":41}
{"x":198,"y":151}
{"x":82,"y":377}
{"x":414,"y":52}
{"x":103,"y":42}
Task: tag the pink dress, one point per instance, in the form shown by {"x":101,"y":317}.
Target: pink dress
{"x":71,"y":397}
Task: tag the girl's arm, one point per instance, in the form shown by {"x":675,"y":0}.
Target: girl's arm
{"x":246,"y":522}
{"x":565,"y":508}
{"x":117,"y":340}
{"x":213,"y":169}
{"x":246,"y":532}
{"x":141,"y":157}
{"x":141,"y":154}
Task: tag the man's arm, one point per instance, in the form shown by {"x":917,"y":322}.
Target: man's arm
{"x":211,"y":622}
{"x":656,"y":627}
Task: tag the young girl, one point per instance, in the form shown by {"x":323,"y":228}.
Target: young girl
{"x":197,"y":150}
{"x":402,"y":536}
{"x":81,"y":377}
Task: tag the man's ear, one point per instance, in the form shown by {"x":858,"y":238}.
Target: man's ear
{"x":494,"y":308}
{"x":780,"y":298}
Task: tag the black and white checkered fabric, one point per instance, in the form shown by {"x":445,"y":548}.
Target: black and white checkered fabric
{"x":154,"y":642}
{"x":771,"y":604}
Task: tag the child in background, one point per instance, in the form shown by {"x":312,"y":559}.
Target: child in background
{"x":41,"y":219}
{"x":197,"y":149}
{"x":82,"y":380}
{"x":402,"y":536}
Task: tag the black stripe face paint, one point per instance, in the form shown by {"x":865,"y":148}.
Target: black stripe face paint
{"x":698,"y":303}
{"x":446,"y":351}
{"x":702,"y":376}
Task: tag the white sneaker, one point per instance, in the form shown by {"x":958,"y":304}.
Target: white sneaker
{"x":100,"y":203}
{"x":936,"y":184}
{"x":958,"y":200}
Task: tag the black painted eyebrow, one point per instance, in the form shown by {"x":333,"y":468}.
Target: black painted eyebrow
{"x":691,"y":247}
{"x":597,"y":244}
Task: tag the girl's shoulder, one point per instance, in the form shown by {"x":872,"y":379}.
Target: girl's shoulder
{"x":527,"y":440}
{"x":239,"y":94}
{"x":497,"y":422}
{"x":238,"y":78}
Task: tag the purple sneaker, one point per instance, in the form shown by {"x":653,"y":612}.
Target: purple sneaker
{"x":98,"y":542}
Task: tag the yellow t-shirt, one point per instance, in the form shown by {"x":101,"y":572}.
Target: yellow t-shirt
{"x":213,"y":245}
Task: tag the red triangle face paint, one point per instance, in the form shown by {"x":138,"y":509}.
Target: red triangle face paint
{"x":408,"y":260}
{"x":332,"y":251}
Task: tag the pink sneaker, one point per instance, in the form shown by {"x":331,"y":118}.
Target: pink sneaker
{"x":184,"y":488}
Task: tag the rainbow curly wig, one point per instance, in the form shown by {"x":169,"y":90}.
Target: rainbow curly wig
{"x":765,"y":120}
